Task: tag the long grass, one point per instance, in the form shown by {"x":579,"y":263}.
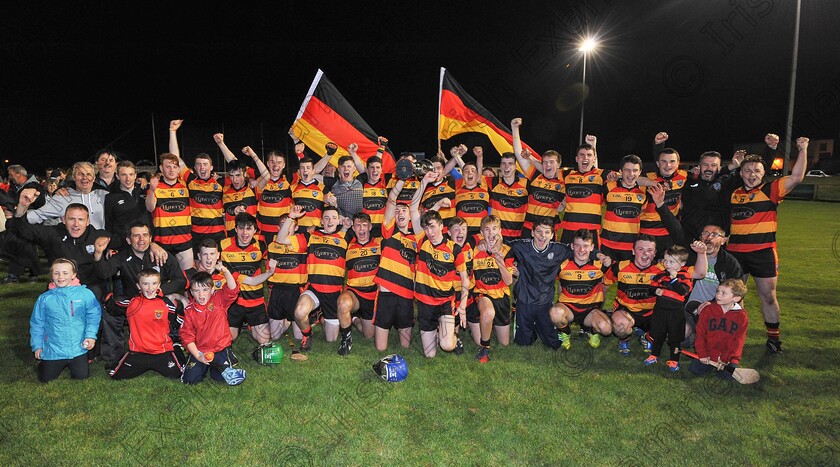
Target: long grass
{"x":527,"y":406}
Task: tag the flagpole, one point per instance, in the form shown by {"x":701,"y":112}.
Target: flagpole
{"x":154,"y":138}
{"x":440,"y":96}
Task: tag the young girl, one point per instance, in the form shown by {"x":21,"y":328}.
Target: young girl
{"x":64,"y":324}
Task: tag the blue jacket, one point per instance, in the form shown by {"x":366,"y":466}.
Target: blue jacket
{"x":61,"y":320}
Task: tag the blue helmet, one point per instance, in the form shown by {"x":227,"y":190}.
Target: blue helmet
{"x":392,"y":368}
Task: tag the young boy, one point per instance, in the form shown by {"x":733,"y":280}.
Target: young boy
{"x":206,"y":329}
{"x":64,"y":324}
{"x":150,"y":317}
{"x":671,"y":289}
{"x":721,"y":329}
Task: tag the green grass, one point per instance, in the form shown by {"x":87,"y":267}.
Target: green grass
{"x":527,"y":406}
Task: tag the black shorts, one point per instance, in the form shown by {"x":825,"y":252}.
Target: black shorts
{"x":282,"y":301}
{"x":366,"y":306}
{"x":391,"y":310}
{"x":327,"y":303}
{"x":639,"y":319}
{"x":253,"y":315}
{"x":177,"y":248}
{"x":761,"y":263}
{"x":429,"y":315}
{"x":580,"y":312}
{"x":502,"y":308}
{"x":473,"y":316}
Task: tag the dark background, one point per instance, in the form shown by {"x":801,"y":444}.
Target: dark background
{"x":78,"y":78}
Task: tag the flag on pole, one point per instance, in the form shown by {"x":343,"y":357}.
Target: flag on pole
{"x":325,"y":116}
{"x":459,"y":113}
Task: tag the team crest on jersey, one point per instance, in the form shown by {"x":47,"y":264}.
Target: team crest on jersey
{"x":752,"y":196}
{"x":414,"y":245}
{"x":557,"y":186}
{"x":90,"y":249}
{"x":481,"y":195}
{"x":216,"y":186}
{"x":591,"y":178}
{"x":382,"y":192}
{"x":592,"y":274}
{"x":218,"y":284}
{"x":446,"y":256}
{"x":639,"y":197}
{"x":158,"y":314}
{"x":551,"y":255}
{"x":253,"y":256}
{"x":337,"y":241}
{"x":519,"y":192}
{"x":442,"y":188}
{"x":181,"y":192}
{"x":314,"y":193}
{"x":373,"y":250}
{"x":210,"y":306}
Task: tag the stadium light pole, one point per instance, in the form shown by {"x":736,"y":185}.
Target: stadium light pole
{"x":587,"y":46}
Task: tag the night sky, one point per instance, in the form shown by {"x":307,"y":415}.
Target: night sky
{"x":75,"y":79}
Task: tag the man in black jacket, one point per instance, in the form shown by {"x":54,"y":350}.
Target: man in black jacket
{"x":19,"y":253}
{"x":124,"y":204}
{"x":722,"y":265}
{"x":129,"y":263}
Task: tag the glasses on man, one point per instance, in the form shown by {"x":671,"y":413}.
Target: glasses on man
{"x":710,"y":234}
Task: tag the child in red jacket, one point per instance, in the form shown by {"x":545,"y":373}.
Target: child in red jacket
{"x":150,"y":347}
{"x":721,"y":329}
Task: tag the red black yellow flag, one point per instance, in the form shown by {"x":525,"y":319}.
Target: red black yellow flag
{"x":459,"y":113}
{"x":325,"y":116}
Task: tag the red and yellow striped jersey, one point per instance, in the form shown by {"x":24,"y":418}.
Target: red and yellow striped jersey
{"x":472,"y":204}
{"x":374,"y":199}
{"x":651,"y":223}
{"x":311,"y":197}
{"x":362,"y":265}
{"x":753,"y":216}
{"x":325,"y":259}
{"x":397,"y":260}
{"x":291,"y":264}
{"x":247,"y":261}
{"x":435,"y":193}
{"x":437,"y":269}
{"x":620,"y":227}
{"x":488,"y":279}
{"x":171,"y":217}
{"x":676,"y":288}
{"x":205,"y":204}
{"x":233,"y":199}
{"x":409,"y":188}
{"x":509,"y":203}
{"x":544,"y":197}
{"x":582,"y":285}
{"x":274,"y":200}
{"x":584,"y":198}
{"x":633,"y":292}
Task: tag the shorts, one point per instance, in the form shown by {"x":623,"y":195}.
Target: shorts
{"x":429,"y":315}
{"x":580,"y":312}
{"x":761,"y":263}
{"x":253,"y":315}
{"x":327,"y":302}
{"x":391,"y":310}
{"x":502,"y":308}
{"x":176,"y":248}
{"x":473,"y":315}
{"x":197,"y":238}
{"x":282,"y":301}
{"x":366,"y":306}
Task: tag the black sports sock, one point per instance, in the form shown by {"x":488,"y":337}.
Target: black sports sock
{"x":345,"y":332}
{"x":484,"y":343}
{"x":566,"y":329}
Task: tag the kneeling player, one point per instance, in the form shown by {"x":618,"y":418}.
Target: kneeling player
{"x":205,"y":328}
{"x":149,"y":345}
{"x":325,"y":264}
{"x":287,"y":282}
{"x":440,"y":262}
{"x":582,"y":293}
{"x":362,"y":263}
{"x":493,"y":269}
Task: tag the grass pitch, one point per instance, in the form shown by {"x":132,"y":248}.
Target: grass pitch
{"x":526,"y":406}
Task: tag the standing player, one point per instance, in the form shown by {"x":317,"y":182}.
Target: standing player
{"x":309,"y":193}
{"x":238,"y":194}
{"x":360,"y":294}
{"x":287,"y":282}
{"x":546,"y":189}
{"x":753,"y":236}
{"x":493,"y":272}
{"x":472,"y":200}
{"x":395,"y":276}
{"x":582,"y":293}
{"x":509,"y":197}
{"x":374,"y":185}
{"x":274,"y":196}
{"x":243,"y":253}
{"x":625,"y":201}
{"x":674,"y":180}
{"x":584,"y":195}
{"x":325,"y":265}
{"x":442,"y":186}
{"x":169,"y":202}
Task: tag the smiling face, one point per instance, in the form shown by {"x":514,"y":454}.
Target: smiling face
{"x":139,"y":239}
{"x":127,"y":176}
{"x":106,"y":163}
{"x":550,"y":165}
{"x":346,"y":171}
{"x":709,"y":168}
{"x":630,"y":174}
{"x":402,"y":216}
{"x":752,"y":173}
{"x":542,"y":234}
{"x":203,"y":168}
{"x":667,"y":164}
{"x":329,"y":221}
{"x":458,"y":233}
{"x":582,"y":249}
{"x":84,"y":176}
{"x":149,"y":286}
{"x":470,"y":172}
{"x":276,"y":164}
{"x":374,"y":171}
{"x":62,"y":274}
{"x":585,"y":159}
{"x":508,"y":167}
{"x":643,"y":253}
{"x":245,"y":233}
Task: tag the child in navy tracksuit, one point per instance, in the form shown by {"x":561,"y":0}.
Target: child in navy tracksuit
{"x":64,"y":323}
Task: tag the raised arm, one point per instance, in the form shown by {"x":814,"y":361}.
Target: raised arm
{"x":173,"y":142}
{"x":479,"y":160}
{"x":319,"y":166}
{"x":284,"y":234}
{"x":360,"y":164}
{"x":259,"y":163}
{"x":797,"y":173}
{"x":701,"y":267}
{"x":523,"y":161}
{"x":151,"y":198}
{"x":391,"y":204}
{"x":219,"y":138}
